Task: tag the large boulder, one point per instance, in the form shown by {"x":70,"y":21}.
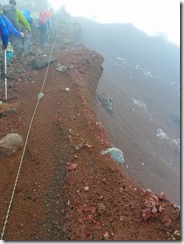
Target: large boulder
{"x":41,"y":63}
{"x":6,"y":109}
{"x":106,"y":102}
{"x":10,"y":144}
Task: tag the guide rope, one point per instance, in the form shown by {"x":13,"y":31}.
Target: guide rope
{"x":40,"y":95}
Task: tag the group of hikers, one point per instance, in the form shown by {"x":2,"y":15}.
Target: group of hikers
{"x":18,"y":29}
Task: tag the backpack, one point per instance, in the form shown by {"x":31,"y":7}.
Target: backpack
{"x":26,"y":14}
{"x":49,"y":14}
{"x":10,"y":12}
{"x":42,"y":17}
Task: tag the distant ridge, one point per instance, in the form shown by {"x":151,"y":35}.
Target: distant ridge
{"x":152,"y":52}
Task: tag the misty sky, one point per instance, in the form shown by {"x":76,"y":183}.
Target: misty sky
{"x":148,"y":15}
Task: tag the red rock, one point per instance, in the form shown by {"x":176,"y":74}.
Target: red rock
{"x":167,"y":221}
{"x":71,"y":167}
{"x":162,"y":196}
{"x":89,"y":217}
{"x":161,"y":209}
{"x":87,"y":145}
{"x":143,"y":193}
{"x":106,"y":236}
{"x":93,"y":210}
{"x":146,"y":213}
{"x":149,"y":203}
{"x":154,"y":197}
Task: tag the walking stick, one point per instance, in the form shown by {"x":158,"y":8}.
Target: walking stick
{"x":5,"y":71}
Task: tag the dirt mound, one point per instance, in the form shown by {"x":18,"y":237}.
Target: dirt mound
{"x":66,"y":189}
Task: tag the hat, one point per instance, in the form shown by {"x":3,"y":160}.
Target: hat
{"x":13,"y":2}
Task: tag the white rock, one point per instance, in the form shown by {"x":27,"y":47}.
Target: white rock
{"x":86,"y":188}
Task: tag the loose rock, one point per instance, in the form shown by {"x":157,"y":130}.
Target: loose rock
{"x":10,"y":144}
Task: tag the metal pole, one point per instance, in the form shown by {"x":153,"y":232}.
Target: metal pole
{"x":5,"y":71}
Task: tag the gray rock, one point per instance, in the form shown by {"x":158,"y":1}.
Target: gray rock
{"x":115,"y":153}
{"x":106,"y":102}
{"x":62,"y":68}
{"x":39,"y":64}
{"x":10,"y":144}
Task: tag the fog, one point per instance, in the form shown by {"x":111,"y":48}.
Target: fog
{"x":153,"y":17}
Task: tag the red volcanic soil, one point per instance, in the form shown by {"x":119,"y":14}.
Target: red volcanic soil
{"x":66,"y":189}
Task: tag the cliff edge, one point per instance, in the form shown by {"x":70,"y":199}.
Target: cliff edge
{"x":66,"y":189}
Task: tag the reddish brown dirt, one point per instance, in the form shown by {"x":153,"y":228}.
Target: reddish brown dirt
{"x":66,"y":189}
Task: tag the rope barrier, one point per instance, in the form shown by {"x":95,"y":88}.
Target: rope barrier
{"x":40,"y":95}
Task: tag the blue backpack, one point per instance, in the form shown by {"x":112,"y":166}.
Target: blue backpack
{"x":27,"y":15}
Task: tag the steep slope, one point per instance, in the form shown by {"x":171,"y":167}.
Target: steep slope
{"x":142,"y":78}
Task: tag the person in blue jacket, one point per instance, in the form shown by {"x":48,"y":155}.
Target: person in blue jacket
{"x":4,"y":34}
{"x":44,"y":25}
{"x":12,"y":31}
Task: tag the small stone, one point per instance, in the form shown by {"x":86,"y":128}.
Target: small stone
{"x":146,"y":213}
{"x":161,"y":209}
{"x":90,"y":217}
{"x":87,"y":145}
{"x":93,"y":210}
{"x":148,"y":190}
{"x":71,"y":167}
{"x":62,"y":68}
{"x":162,"y":196}
{"x":101,"y":197}
{"x":101,"y":209}
{"x":106,"y":236}
{"x":154,"y":210}
{"x":86,"y":188}
{"x":167,"y":221}
{"x":104,"y":180}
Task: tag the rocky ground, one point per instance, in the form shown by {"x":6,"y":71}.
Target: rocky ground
{"x":67,"y":190}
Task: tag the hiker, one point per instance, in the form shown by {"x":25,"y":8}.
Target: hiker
{"x":19,"y":21}
{"x":50,"y":13}
{"x":44,"y":25}
{"x":4,"y":38}
{"x":12,"y":31}
{"x":27,"y":37}
{"x":4,"y":35}
{"x":34,"y":31}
